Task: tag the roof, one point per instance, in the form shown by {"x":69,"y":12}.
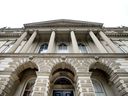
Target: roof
{"x":63,"y":22}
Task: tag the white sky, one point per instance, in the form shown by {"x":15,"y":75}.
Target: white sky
{"x":15,"y":13}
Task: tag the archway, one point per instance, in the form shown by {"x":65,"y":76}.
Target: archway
{"x":62,"y":80}
{"x":24,"y":85}
{"x":20,"y":77}
{"x":100,"y":76}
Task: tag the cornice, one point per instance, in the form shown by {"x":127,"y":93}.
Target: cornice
{"x":64,"y":55}
{"x":117,"y":34}
{"x":9,"y":34}
{"x":63,"y":23}
{"x":39,"y":32}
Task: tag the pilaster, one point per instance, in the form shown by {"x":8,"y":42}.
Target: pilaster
{"x":84,"y":85}
{"x":120,"y":81}
{"x":41,"y":84}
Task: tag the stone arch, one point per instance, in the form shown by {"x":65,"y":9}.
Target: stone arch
{"x":63,"y":65}
{"x":62,"y":71}
{"x":102,"y":66}
{"x":24,"y":66}
{"x":112,"y":69}
{"x":12,"y":73}
{"x":64,"y":77}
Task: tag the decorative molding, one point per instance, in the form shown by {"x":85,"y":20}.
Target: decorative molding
{"x":117,"y":34}
{"x":67,"y":55}
{"x":10,"y":34}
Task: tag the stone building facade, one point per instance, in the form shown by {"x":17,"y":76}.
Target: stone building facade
{"x":64,"y":58}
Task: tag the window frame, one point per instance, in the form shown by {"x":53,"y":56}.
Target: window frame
{"x":101,"y":85}
{"x":43,"y":51}
{"x":25,"y":84}
{"x":62,"y":51}
{"x":84,"y":50}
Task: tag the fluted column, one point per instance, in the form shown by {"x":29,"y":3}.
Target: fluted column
{"x":51,"y":43}
{"x":17,"y":43}
{"x":74,"y":43}
{"x":29,"y":42}
{"x":109,"y":42}
{"x":97,"y":42}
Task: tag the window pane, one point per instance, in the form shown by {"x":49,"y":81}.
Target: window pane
{"x":99,"y":91}
{"x":43,"y":48}
{"x":82,"y":48}
{"x":62,"y":48}
{"x":29,"y":87}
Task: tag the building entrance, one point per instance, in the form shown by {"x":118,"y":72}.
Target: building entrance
{"x":63,"y":93}
{"x":62,"y":82}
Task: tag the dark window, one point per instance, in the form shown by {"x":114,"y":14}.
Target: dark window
{"x":62,"y":48}
{"x":99,"y":91}
{"x":29,"y":87}
{"x":63,"y":81}
{"x":82,"y":48}
{"x":43,"y":48}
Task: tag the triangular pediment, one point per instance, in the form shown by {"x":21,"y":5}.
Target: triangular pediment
{"x":63,"y":22}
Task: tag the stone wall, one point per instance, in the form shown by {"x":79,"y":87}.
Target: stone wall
{"x":116,"y":68}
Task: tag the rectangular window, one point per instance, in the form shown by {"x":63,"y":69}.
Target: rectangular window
{"x":82,"y":48}
{"x":62,"y":48}
{"x":43,"y":48}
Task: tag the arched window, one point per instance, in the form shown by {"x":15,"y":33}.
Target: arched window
{"x":43,"y":48}
{"x":62,"y":82}
{"x":82,"y":48}
{"x":29,"y":87}
{"x":24,"y":86}
{"x":62,"y":48}
{"x":99,"y":91}
{"x":101,"y":84}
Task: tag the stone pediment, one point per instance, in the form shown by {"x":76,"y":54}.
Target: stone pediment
{"x":64,"y":23}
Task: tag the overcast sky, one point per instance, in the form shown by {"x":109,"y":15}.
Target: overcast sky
{"x":15,"y":13}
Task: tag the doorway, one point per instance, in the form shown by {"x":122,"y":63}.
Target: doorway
{"x":63,"y":93}
{"x":62,"y":82}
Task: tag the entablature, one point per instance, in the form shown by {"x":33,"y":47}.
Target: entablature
{"x":64,"y":55}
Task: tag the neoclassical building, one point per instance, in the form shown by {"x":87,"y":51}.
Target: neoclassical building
{"x":64,"y":58}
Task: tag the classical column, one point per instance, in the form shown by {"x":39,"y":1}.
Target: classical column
{"x":97,"y":42}
{"x":51,"y":43}
{"x":17,"y":43}
{"x":109,"y":42}
{"x":74,"y":43}
{"x":29,"y":42}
